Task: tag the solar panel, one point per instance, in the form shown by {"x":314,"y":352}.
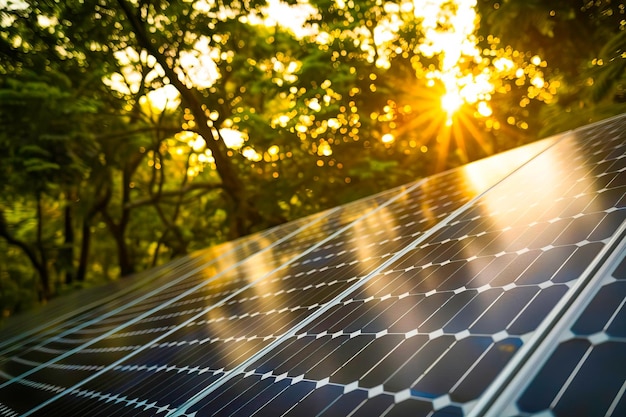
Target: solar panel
{"x":429,"y":299}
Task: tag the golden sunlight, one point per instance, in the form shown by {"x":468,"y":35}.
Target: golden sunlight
{"x":455,"y":113}
{"x":449,"y":33}
{"x":161,"y":99}
{"x":451,"y":102}
{"x":388,"y":138}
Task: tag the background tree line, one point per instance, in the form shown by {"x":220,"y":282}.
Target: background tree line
{"x":135,"y":131}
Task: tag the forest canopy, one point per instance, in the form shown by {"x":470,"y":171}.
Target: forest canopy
{"x":137,"y":131}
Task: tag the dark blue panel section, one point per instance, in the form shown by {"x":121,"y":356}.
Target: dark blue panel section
{"x":597,"y":382}
{"x":486,"y":369}
{"x":537,"y":310}
{"x":19,"y":398}
{"x":345,"y":404}
{"x":601,"y":310}
{"x":451,"y":366}
{"x":620,"y":271}
{"x":586,"y":375}
{"x":317,"y":401}
{"x":410,"y":407}
{"x":376,"y":406}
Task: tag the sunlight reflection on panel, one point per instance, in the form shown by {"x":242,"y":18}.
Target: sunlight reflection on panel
{"x":365,"y":241}
{"x":482,"y":175}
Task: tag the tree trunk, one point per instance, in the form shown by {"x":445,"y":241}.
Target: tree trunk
{"x":66,"y":257}
{"x":43,"y":259}
{"x":245,"y":215}
{"x":123,"y":255}
{"x":85,"y":244}
{"x":30,"y":254}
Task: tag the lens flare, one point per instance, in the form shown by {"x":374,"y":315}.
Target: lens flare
{"x":449,"y":29}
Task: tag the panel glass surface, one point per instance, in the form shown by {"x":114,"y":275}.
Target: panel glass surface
{"x":429,"y":333}
{"x":586,"y":372}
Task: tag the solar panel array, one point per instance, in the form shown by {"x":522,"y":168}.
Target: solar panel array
{"x":498,"y":288}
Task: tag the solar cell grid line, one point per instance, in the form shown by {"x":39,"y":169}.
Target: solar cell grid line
{"x":580,"y":367}
{"x":330,"y":223}
{"x":432,"y":211}
{"x":142,"y":367}
{"x":54,"y":354}
{"x":428,"y":335}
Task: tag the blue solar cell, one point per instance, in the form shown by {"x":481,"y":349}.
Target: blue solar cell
{"x":537,"y":309}
{"x":389,"y":369}
{"x":485,"y":370}
{"x":344,"y":404}
{"x":498,"y":316}
{"x":411,"y":407}
{"x":601,"y":310}
{"x":576,"y":263}
{"x":448,"y":310}
{"x":376,"y":406}
{"x":620,"y":271}
{"x":553,"y":376}
{"x":374,"y":352}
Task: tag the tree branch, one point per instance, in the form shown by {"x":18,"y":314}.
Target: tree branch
{"x":243,"y":214}
{"x":116,"y":135}
{"x":28,"y":251}
{"x":172,"y":193}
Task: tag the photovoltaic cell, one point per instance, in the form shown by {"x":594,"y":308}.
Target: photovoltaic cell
{"x":584,"y":369}
{"x":424,"y":300}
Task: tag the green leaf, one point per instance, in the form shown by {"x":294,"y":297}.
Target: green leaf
{"x":38,"y":165}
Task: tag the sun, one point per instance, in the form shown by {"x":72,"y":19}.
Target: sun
{"x":459,"y":87}
{"x":449,"y":29}
{"x":451,"y":102}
